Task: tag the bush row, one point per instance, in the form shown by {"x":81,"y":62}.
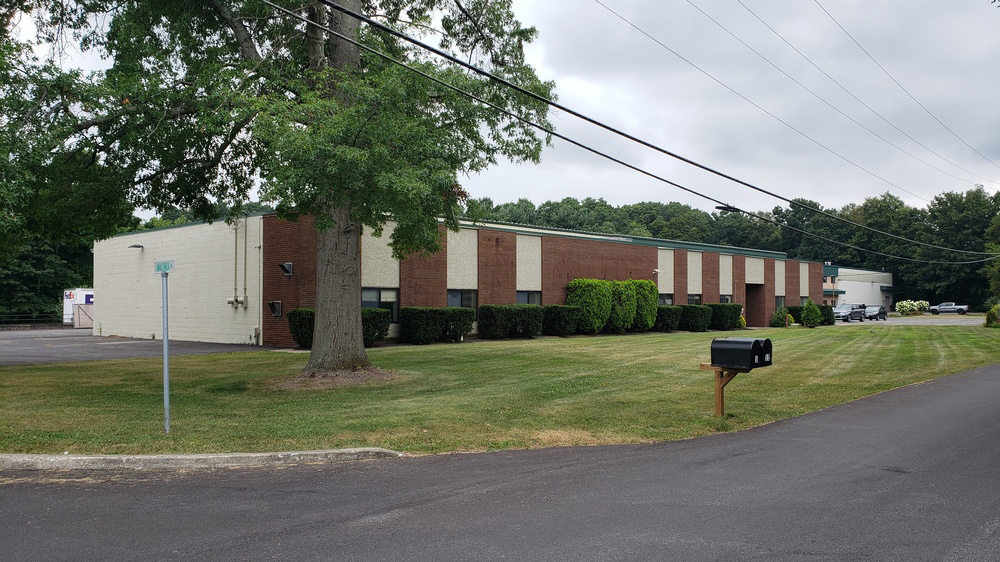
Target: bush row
{"x":422,"y":324}
{"x":374,"y":325}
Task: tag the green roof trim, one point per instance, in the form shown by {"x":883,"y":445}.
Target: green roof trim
{"x":887,"y":288}
{"x":834,"y":292}
{"x":830,"y":270}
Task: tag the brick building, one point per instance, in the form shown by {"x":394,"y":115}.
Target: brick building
{"x":272,"y":266}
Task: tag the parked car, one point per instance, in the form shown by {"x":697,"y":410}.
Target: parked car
{"x":848,"y":312}
{"x":876,"y":313}
{"x":949,"y":307}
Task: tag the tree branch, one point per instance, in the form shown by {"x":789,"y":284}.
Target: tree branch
{"x":247,"y":47}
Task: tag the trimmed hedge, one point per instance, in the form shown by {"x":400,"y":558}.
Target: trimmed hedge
{"x":593,"y":296}
{"x":811,"y":316}
{"x":725,"y":316}
{"x":695,"y":318}
{"x":826,"y":312}
{"x":622,"y":307}
{"x":374,"y":325}
{"x":498,"y":321}
{"x":423,"y":325}
{"x":646,"y":301}
{"x":300,"y":324}
{"x":560,"y":319}
{"x":796,"y":312}
{"x":667,"y":318}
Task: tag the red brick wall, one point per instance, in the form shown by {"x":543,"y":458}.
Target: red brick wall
{"x":740,"y":279}
{"x":565,"y":259}
{"x":792,"y":296}
{"x":680,"y":277}
{"x":709,"y":278}
{"x":497,"y":267}
{"x":769,"y":292}
{"x":285,"y":241}
{"x":816,"y":282}
{"x":423,"y":280}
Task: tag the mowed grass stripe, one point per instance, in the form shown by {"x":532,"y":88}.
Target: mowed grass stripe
{"x":471,"y":396}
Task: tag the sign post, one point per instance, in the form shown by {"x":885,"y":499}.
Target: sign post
{"x":164,"y":268}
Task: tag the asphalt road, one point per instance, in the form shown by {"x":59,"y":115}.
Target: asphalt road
{"x":907,"y":475}
{"x":23,"y":347}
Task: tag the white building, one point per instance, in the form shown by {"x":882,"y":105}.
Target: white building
{"x":850,"y":285}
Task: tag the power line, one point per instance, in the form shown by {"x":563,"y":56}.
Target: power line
{"x":896,"y":82}
{"x":856,"y":98}
{"x":825,"y":101}
{"x":549,"y":131}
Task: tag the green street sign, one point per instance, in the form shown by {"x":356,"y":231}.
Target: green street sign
{"x":164,"y":266}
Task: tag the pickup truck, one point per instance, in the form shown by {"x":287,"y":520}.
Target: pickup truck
{"x":949,"y":307}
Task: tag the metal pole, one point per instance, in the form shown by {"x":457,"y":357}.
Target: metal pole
{"x":166,"y":360}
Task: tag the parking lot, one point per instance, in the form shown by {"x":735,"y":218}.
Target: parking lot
{"x":928,"y":320}
{"x":24,"y":347}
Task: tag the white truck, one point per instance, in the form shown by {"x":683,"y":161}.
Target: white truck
{"x":949,"y":307}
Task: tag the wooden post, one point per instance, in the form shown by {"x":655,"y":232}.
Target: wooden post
{"x":722,"y":378}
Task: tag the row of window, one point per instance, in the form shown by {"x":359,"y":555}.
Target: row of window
{"x":469,"y":298}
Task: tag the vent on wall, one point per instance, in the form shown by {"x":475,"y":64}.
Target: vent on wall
{"x":286,"y":267}
{"x":274,"y":307}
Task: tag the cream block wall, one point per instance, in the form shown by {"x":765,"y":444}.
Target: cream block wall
{"x":803,"y":279}
{"x":378,"y":267}
{"x":463,"y":259}
{"x":529,"y":263}
{"x":128,"y":291}
{"x":725,"y":274}
{"x":755,"y":271}
{"x":779,"y":281}
{"x":694,"y":273}
{"x":665,"y":278}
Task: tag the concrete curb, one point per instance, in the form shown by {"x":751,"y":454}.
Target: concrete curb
{"x":168,"y":462}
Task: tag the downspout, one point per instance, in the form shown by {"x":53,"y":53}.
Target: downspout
{"x":246,"y":235}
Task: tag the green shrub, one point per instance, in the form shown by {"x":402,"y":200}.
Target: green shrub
{"x":826,"y":311}
{"x":912,"y":307}
{"x":780,"y":318}
{"x":458,"y":322}
{"x":646,"y":301}
{"x":668,"y":318}
{"x":796,"y":312}
{"x":300,"y":324}
{"x":497,"y":321}
{"x":993,"y":317}
{"x":560,"y":319}
{"x":811,"y":316}
{"x":375,"y":325}
{"x":622,"y":307}
{"x":420,"y":324}
{"x":593,"y":296}
{"x":743,"y":322}
{"x":725,"y":316}
{"x":695,"y":318}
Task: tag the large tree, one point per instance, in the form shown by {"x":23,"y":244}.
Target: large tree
{"x":206,"y":97}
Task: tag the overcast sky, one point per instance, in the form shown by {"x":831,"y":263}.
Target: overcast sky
{"x":945,"y":54}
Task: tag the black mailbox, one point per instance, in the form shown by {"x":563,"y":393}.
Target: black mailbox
{"x":741,"y":353}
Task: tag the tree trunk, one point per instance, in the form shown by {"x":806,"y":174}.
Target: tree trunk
{"x":337,"y":338}
{"x":338,"y":344}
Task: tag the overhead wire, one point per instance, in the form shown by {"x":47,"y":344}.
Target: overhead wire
{"x":856,"y":98}
{"x":578,"y":144}
{"x":751,"y":102}
{"x":901,"y":87}
{"x":827,"y":102}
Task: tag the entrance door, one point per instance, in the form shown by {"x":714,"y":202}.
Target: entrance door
{"x":755,"y":311}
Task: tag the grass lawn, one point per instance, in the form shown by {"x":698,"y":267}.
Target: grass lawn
{"x":471,"y":396}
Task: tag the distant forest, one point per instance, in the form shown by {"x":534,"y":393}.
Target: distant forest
{"x":967,"y":221}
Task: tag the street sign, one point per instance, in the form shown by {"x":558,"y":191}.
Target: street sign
{"x":164,"y":267}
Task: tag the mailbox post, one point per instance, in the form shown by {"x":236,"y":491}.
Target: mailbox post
{"x":732,"y":356}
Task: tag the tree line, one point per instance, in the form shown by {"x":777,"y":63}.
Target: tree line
{"x":968,"y":221}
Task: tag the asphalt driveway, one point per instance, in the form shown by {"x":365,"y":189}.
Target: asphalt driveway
{"x":54,"y":346}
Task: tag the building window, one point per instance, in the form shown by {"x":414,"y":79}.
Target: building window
{"x":529,"y":297}
{"x":779,"y":302}
{"x":725,"y":298}
{"x":694,"y":299}
{"x":804,"y":300}
{"x":469,"y":298}
{"x":666,"y":299}
{"x":381,"y":298}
